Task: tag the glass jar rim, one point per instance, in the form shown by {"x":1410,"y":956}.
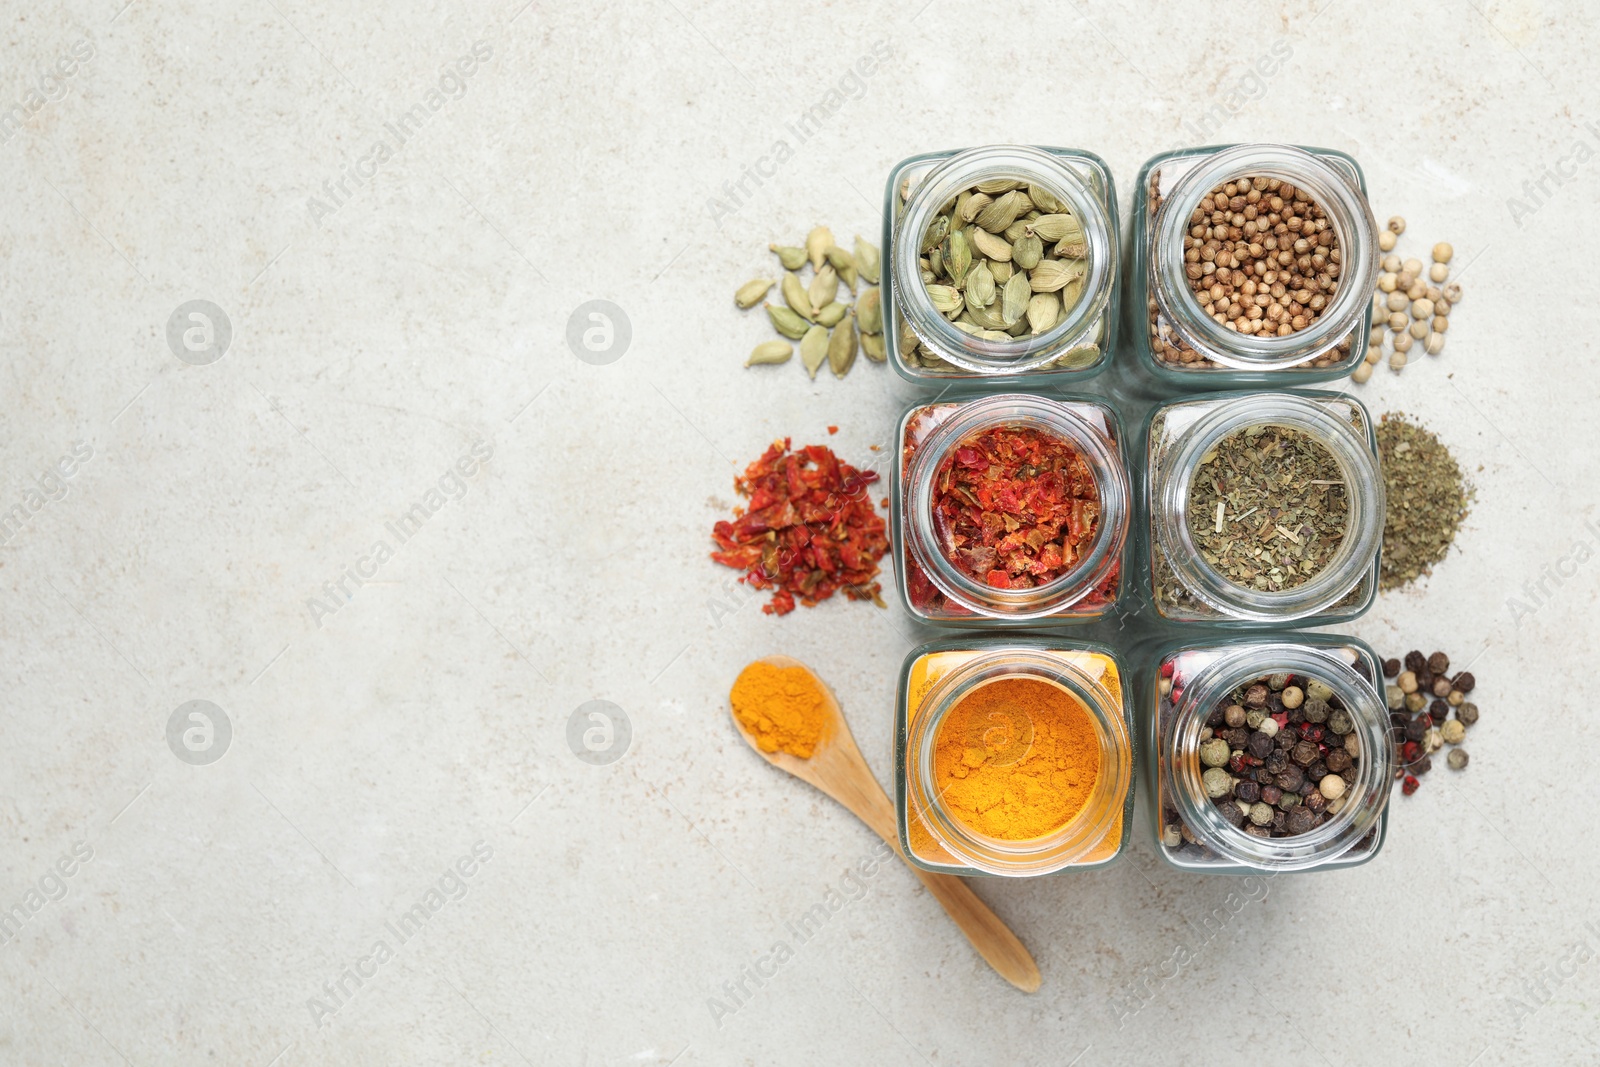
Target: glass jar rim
{"x":1363,"y":523}
{"x":1346,"y":209}
{"x":1047,"y":415}
{"x":1367,"y":795}
{"x":1030,"y":352}
{"x":1081,"y":834}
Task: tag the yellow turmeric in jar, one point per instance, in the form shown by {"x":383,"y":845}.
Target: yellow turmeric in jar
{"x":1017,"y":758}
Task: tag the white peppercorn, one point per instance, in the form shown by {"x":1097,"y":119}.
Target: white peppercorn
{"x":1397,"y":225}
{"x":1402,"y":341}
{"x":1434,"y":294}
{"x":1390,"y":264}
{"x":1397,"y":360}
{"x":1386,"y":240}
{"x":1332,"y":786}
{"x":1412,"y":267}
{"x":1416,"y":291}
{"x":1435,"y":344}
{"x":1452,"y":292}
{"x":1442,"y":252}
{"x":1441,"y":306}
{"x":1438,"y":272}
{"x":1360,"y":376}
{"x":1440,"y":324}
{"x":1421,"y":309}
{"x":1404,"y":280}
{"x":1387,"y":282}
{"x":1375,"y":352}
{"x":1397,"y":301}
{"x":1418,"y":329}
{"x":1376,"y":336}
{"x":1269,"y":725}
{"x":1397,"y":320}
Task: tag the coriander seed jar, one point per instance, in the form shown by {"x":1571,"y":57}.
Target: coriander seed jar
{"x":1217,"y":551}
{"x":1010,"y":510}
{"x":1020,"y":755}
{"x":1238,"y":341}
{"x":1301,"y":782}
{"x":1044,"y":216}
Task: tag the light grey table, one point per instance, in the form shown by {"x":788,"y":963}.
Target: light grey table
{"x":390,"y":313}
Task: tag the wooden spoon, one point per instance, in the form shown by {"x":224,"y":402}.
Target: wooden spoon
{"x":836,"y":768}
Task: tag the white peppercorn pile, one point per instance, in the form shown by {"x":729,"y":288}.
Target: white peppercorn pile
{"x":1411,"y":308}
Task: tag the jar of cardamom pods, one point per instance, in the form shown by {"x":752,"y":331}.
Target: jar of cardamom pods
{"x":1266,"y":755}
{"x":1253,"y":264}
{"x":1002,"y":265}
{"x":1263,"y":509}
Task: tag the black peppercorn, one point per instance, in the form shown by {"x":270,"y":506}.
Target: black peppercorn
{"x":1418,"y":728}
{"x":1391,"y":667}
{"x":1423,"y":765}
{"x":1215,"y":717}
{"x":1287,"y":736}
{"x":1249,"y":792}
{"x":1280,"y":822}
{"x":1299,"y":820}
{"x":1270,"y":795}
{"x":1338,"y":760}
{"x":1275,"y":761}
{"x":1316,"y":801}
{"x":1424,"y":681}
{"x":1260,"y":745}
{"x":1291,"y":780}
{"x":1441,"y":686}
{"x":1467,"y":713}
{"x":1464,"y":681}
{"x":1438,"y":663}
{"x":1317,"y":771}
{"x":1439,"y":710}
{"x":1305,"y":753}
{"x":1416,"y":661}
{"x":1256,"y":696}
{"x":1231,"y":812}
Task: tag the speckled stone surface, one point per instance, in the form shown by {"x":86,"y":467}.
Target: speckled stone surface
{"x":397,"y":212}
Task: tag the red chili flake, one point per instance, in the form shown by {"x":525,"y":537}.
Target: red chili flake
{"x":1015,"y":506}
{"x":809,"y":531}
{"x":1409,"y":786}
{"x":832,"y":430}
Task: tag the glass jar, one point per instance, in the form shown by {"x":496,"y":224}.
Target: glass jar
{"x":931,"y":586}
{"x":1181,"y":345}
{"x":935,"y":679}
{"x":1185,"y":587}
{"x":925,"y":346}
{"x":1193,"y":685}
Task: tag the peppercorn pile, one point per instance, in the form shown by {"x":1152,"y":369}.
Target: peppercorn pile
{"x":810,"y":529}
{"x":1406,"y":310}
{"x":1421,"y":699}
{"x":1426,"y":500}
{"x":1280,"y":752}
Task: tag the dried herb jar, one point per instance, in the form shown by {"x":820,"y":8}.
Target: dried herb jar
{"x":927,"y":348}
{"x":932,"y":587}
{"x":1184,"y":586}
{"x":1190,"y":683}
{"x":1186,"y":349}
{"x":934,"y":679}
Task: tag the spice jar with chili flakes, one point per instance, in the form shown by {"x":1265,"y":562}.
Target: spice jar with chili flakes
{"x":1267,"y":755}
{"x":1262,"y":509}
{"x":1013,"y":757}
{"x":1253,"y":265}
{"x":1002,"y":266}
{"x":1010,"y":510}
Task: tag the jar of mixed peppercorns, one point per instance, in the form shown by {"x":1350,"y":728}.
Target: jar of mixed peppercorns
{"x":1002,"y":265}
{"x":1268,"y":755}
{"x":1010,"y":509}
{"x":1262,"y":509}
{"x":1254,"y":264}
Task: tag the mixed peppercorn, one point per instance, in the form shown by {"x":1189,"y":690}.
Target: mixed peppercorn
{"x":1421,"y":697}
{"x":809,"y":531}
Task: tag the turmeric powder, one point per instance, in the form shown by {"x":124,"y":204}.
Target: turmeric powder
{"x":783,"y":708}
{"x":1017,"y":758}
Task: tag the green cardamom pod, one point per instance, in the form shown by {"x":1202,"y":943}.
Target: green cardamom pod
{"x":934,"y":234}
{"x":1072,"y":248}
{"x":1071,"y":293}
{"x":980,"y":286}
{"x":1016,"y":231}
{"x":787,"y":322}
{"x":908,"y":340}
{"x":956,"y":256}
{"x":1052,"y":274}
{"x":987,"y":317}
{"x":995,"y":335}
{"x":874,"y":347}
{"x":814,"y":349}
{"x":842,"y":347}
{"x":992,"y":247}
{"x":867,"y":260}
{"x":838,"y":258}
{"x":936,"y":262}
{"x":1024,"y":202}
{"x":997,"y":185}
{"x":1043,"y":309}
{"x":869,"y":310}
{"x":1014,"y":299}
{"x":818,"y":241}
{"x":791,"y":257}
{"x":1055,"y":227}
{"x":794,"y":294}
{"x":824,"y":287}
{"x":1078,"y":358}
{"x":1002,"y":272}
{"x":770,"y":352}
{"x":752,"y":292}
{"x":1000,"y":214}
{"x":1045,"y":200}
{"x":974,"y":204}
{"x":1027,"y":252}
{"x":945,"y":298}
{"x":830,"y":314}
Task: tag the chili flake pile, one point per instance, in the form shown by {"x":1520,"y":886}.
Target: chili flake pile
{"x":1014,"y":506}
{"x":809,"y":531}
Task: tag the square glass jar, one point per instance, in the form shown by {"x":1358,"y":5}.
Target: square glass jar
{"x":1185,"y":350}
{"x":1182,"y":697}
{"x":925,"y":346}
{"x":935,"y":678}
{"x":1179,"y":440}
{"x":932,"y":588}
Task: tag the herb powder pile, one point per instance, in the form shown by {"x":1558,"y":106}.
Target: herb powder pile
{"x":1427,"y":499}
{"x":1268,"y":507}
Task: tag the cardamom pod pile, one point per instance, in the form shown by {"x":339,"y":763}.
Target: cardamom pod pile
{"x":829,"y":329}
{"x":1001,"y":260}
